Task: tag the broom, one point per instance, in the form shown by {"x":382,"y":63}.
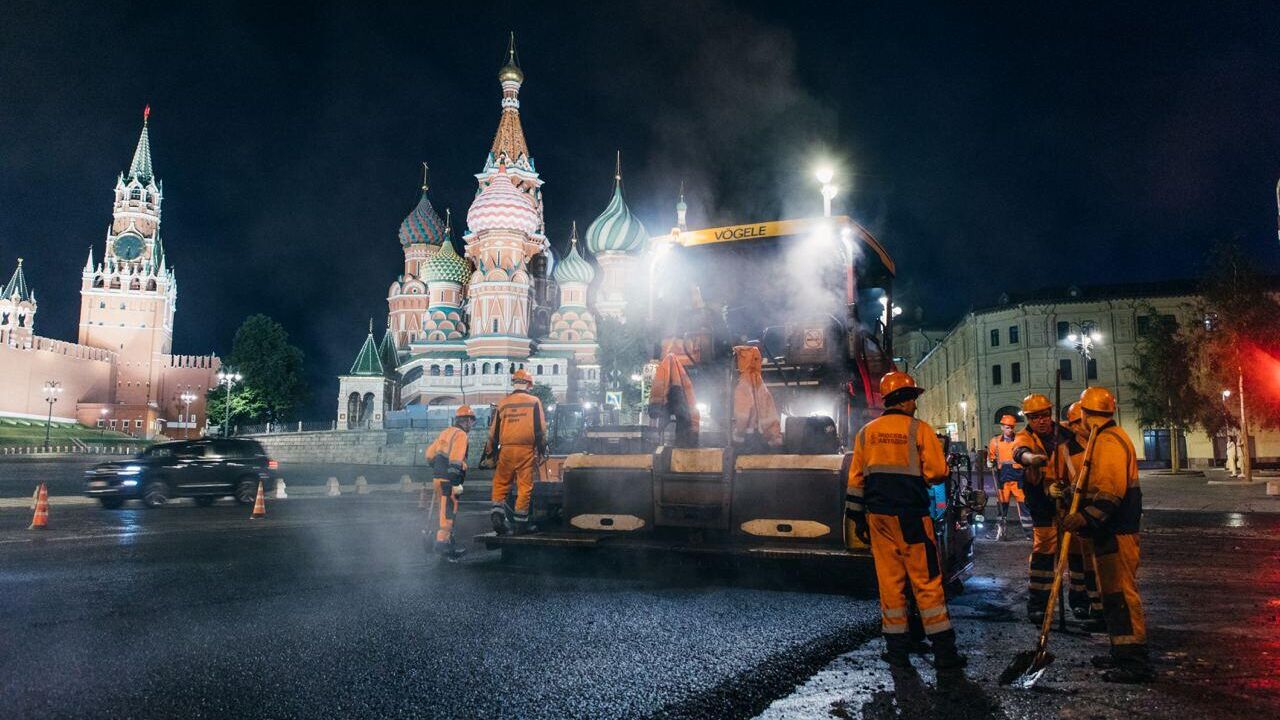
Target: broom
{"x":1029,"y":665}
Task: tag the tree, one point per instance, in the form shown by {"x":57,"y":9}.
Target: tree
{"x":247,"y":405}
{"x":1163,"y":391}
{"x":543,"y":393}
{"x":271,"y":366}
{"x":623,"y":353}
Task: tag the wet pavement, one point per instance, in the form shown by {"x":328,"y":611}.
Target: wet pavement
{"x":331,"y":608}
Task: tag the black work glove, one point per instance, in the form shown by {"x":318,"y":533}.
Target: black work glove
{"x":862,"y":532}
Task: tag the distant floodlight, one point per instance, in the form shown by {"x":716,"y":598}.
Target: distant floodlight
{"x":1073,"y":337}
{"x":824,"y":173}
{"x":1095,"y":336}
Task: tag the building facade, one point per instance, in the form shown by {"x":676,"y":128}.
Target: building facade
{"x":988,"y":362}
{"x":121,"y":373}
{"x":468,"y":312}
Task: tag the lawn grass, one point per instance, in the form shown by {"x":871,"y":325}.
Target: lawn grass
{"x":15,"y":432}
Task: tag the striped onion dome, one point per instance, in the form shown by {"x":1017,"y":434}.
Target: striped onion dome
{"x":501,"y":206}
{"x":446,"y":266}
{"x":574,"y":268}
{"x":422,"y":225}
{"x":616,"y":230}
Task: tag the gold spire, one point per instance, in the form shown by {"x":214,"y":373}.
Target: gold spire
{"x":424,"y":177}
{"x":511,"y":71}
{"x":448,"y":221}
{"x":617,"y":168}
{"x":573,"y":235}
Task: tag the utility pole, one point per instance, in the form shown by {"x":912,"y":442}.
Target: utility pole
{"x":1246,"y":461}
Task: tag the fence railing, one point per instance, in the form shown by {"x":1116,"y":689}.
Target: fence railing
{"x":278,"y":428}
{"x":70,"y":449}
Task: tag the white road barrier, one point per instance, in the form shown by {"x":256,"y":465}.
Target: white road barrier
{"x":331,"y":487}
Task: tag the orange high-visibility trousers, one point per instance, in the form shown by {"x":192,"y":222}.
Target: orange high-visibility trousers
{"x":1122,"y":605}
{"x":906,"y":556}
{"x":448,"y":509}
{"x":1010,"y":491}
{"x":515,"y":465}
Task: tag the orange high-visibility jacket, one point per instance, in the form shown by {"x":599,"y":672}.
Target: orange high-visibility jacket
{"x":448,"y":455}
{"x":1027,"y":441}
{"x":895,"y":458}
{"x":670,"y":376}
{"x":1113,"y":493}
{"x":753,"y":408}
{"x":1000,"y":452}
{"x":518,"y":420}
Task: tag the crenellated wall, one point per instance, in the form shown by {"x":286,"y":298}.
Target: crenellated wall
{"x":85,"y":374}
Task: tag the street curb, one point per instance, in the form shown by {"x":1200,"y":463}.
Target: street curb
{"x":299,"y":491}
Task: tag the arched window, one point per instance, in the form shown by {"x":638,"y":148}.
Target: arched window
{"x":495,"y":325}
{"x":366,"y":411}
{"x":497,"y":368}
{"x":539,"y":369}
{"x":134,"y":284}
{"x":151,"y":285}
{"x":135,"y":194}
{"x":353,"y":410}
{"x":513,"y":368}
{"x":555,"y":369}
{"x":448,"y":371}
{"x":97,"y":282}
{"x":435,"y":371}
{"x":115,"y":283}
{"x":484,"y":369}
{"x":412,"y":375}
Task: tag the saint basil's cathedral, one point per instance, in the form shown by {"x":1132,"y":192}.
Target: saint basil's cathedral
{"x":460,"y":323}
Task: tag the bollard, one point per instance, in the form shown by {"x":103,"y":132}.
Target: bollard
{"x":406,"y":484}
{"x":280,"y":489}
{"x":362,"y":486}
{"x":331,"y":487}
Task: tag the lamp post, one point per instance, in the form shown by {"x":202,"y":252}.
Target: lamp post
{"x":102,"y":428}
{"x":825,"y":174}
{"x":964,"y":422}
{"x":1083,"y":337}
{"x":228,"y":378}
{"x":52,"y":389}
{"x":187,"y":398}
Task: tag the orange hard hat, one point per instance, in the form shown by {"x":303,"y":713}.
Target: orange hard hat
{"x":1008,"y":420}
{"x":1034,"y":403}
{"x":522,"y":376}
{"x":896,"y":382}
{"x":1098,"y":400}
{"x":465,"y":411}
{"x":1074,"y":413}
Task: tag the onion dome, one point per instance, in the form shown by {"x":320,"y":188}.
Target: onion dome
{"x":574,"y":268}
{"x":501,"y":206}
{"x":616,"y":230}
{"x":423,"y":225}
{"x":446,"y":266}
{"x":511,"y":71}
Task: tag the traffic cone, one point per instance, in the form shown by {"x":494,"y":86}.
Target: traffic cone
{"x":259,"y":505}
{"x":41,"y":518}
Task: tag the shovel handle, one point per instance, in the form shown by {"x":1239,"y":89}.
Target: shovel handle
{"x":1064,"y":544}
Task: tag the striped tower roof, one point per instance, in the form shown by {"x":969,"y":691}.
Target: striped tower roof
{"x":616,"y":229}
{"x":368,"y":362}
{"x":574,"y":268}
{"x":500,"y":206}
{"x":423,"y":224}
{"x":17,"y":285}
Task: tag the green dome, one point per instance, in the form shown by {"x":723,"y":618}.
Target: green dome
{"x":574,"y":268}
{"x":616,"y":230}
{"x":446,"y":266}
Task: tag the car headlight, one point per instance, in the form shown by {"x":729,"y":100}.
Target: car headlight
{"x":128,"y":483}
{"x":129,"y":470}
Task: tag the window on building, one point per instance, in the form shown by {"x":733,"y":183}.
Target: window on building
{"x":1064,"y":367}
{"x":1091,"y":369}
{"x":1013,"y":334}
{"x":484,"y":369}
{"x":555,"y":369}
{"x":135,"y":194}
{"x":137,"y":423}
{"x":995,"y":338}
{"x":448,"y":371}
{"x":495,"y":325}
{"x":539,"y":370}
{"x":995,"y":374}
{"x":1015,"y":372}
{"x":1064,"y":329}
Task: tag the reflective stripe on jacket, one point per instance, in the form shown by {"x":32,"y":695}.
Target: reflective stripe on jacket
{"x":1113,"y":493}
{"x":518,"y":420}
{"x":895,"y":459}
{"x":448,"y":455}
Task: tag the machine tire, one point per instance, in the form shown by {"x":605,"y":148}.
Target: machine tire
{"x":112,"y":503}
{"x":246,"y":490}
{"x":204,"y":500}
{"x":155,"y":494}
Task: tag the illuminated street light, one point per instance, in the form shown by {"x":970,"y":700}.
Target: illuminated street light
{"x":825,"y":174}
{"x":52,"y":390}
{"x":964,"y":421}
{"x":187,"y":398}
{"x":102,"y":429}
{"x":228,"y":378}
{"x":1084,"y":336}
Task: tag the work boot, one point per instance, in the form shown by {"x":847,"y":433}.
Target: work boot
{"x":523,"y":527}
{"x":897,"y":651}
{"x":455,"y":554}
{"x":499,"y":519}
{"x":945,"y":656}
{"x":1080,"y":612}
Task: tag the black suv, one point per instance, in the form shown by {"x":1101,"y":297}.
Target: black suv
{"x":203,"y":470}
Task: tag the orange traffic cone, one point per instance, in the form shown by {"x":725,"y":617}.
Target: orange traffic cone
{"x":259,"y":505}
{"x":41,"y":518}
{"x":422,"y":498}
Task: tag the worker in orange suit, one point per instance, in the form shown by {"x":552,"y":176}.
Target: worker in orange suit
{"x":1110,"y":514}
{"x":671,"y":396}
{"x":1083,"y":598}
{"x":517,"y":435}
{"x":1036,"y":449}
{"x":895,"y":460}
{"x":757,"y":426}
{"x":447,"y":455}
{"x":1009,"y":477}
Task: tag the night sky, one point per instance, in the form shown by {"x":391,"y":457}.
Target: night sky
{"x":989,"y":149}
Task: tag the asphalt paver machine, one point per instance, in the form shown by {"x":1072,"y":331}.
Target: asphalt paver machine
{"x":815,"y":297}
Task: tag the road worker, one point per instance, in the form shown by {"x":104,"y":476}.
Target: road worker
{"x":895,"y":460}
{"x":1109,"y":515}
{"x":517,"y":435}
{"x":1035,"y":448}
{"x":1008,"y":477}
{"x":447,"y":456}
{"x":1083,"y":598}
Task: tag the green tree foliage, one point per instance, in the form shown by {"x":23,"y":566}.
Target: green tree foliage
{"x":272,"y":370}
{"x":247,"y":405}
{"x":543,"y":393}
{"x":623,"y":353}
{"x":1163,"y":390}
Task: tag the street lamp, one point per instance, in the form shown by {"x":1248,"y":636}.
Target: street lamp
{"x":1083,"y":337}
{"x":52,"y":389}
{"x":825,"y":174}
{"x":102,"y":427}
{"x":187,"y":398}
{"x":228,"y":378}
{"x":964,"y":422}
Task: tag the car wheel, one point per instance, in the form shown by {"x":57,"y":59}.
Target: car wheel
{"x":204,"y":500}
{"x":112,"y":503}
{"x":246,"y":491}
{"x":155,"y":494}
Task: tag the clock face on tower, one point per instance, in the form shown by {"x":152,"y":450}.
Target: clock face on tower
{"x":128,"y":246}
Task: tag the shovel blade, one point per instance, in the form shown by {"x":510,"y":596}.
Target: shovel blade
{"x":1026,"y":668}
